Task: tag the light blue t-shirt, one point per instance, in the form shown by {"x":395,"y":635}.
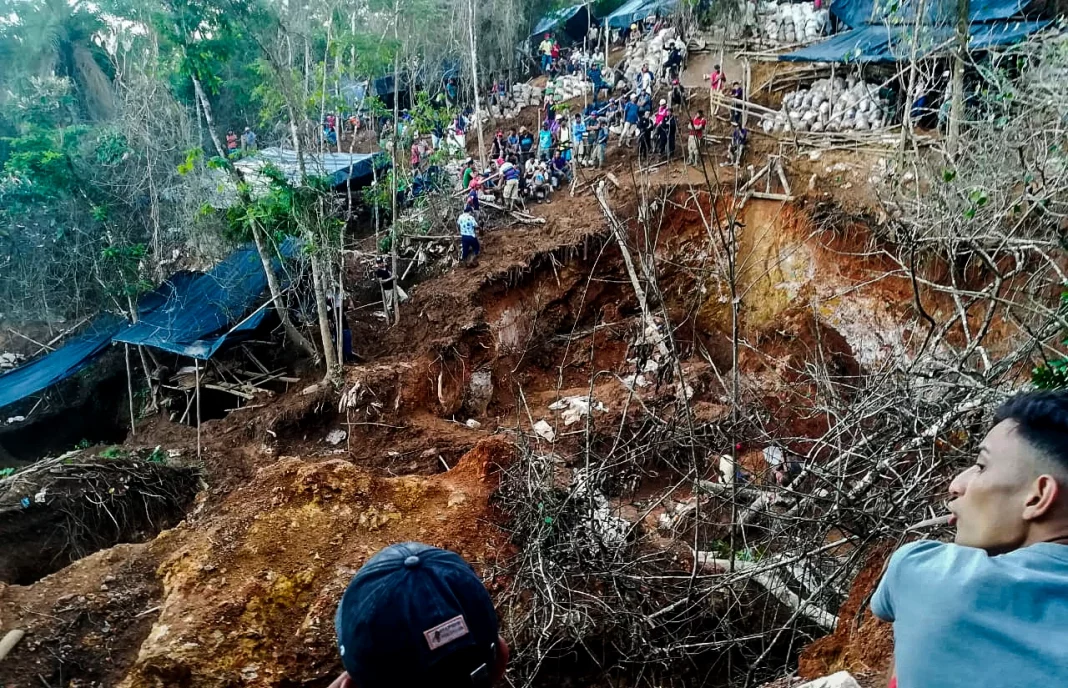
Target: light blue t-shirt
{"x":963,"y":618}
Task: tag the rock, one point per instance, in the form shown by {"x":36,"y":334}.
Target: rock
{"x":336,"y":437}
{"x":473,"y":424}
{"x":843,"y":679}
{"x":545,"y":431}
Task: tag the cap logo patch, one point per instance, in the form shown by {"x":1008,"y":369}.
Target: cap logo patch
{"x":446,"y":632}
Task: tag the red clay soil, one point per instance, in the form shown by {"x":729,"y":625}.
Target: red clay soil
{"x":245,"y":594}
{"x":861,"y":644}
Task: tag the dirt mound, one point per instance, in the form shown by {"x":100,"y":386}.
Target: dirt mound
{"x":861,"y":644}
{"x":249,"y":595}
{"x":62,"y":509}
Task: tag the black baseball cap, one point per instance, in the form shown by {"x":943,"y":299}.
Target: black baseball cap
{"x":415,"y":616}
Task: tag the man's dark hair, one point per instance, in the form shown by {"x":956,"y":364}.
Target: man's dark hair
{"x":1042,"y":420}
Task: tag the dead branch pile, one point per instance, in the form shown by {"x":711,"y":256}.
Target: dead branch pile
{"x":647,"y":549}
{"x":62,"y":508}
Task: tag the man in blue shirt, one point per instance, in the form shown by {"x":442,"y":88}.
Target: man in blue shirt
{"x":578,"y":137}
{"x":545,"y":142}
{"x":992,"y":609}
{"x":630,"y":121}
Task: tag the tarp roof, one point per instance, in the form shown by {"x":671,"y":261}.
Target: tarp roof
{"x":45,"y":371}
{"x":636,"y":10}
{"x":555,"y":18}
{"x":880,"y":43}
{"x":340,"y":167}
{"x":857,"y":13}
{"x":192,"y":314}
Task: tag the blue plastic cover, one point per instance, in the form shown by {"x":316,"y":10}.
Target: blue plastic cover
{"x":193,"y":314}
{"x":876,"y":43}
{"x":555,"y":18}
{"x":45,"y":371}
{"x":625,"y":14}
{"x":857,"y":13}
{"x":636,"y":10}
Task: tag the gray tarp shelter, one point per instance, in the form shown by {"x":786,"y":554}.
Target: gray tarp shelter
{"x":875,"y":43}
{"x":340,"y":167}
{"x":56,"y":366}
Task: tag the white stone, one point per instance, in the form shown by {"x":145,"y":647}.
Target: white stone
{"x":545,"y":431}
{"x":336,"y":437}
{"x":843,"y":679}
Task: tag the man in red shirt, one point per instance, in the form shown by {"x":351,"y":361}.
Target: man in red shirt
{"x":693,"y":141}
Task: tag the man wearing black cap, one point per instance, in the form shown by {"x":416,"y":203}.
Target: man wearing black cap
{"x":415,"y":616}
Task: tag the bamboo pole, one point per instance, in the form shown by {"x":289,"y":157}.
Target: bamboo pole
{"x":129,"y":391}
{"x":196,"y":363}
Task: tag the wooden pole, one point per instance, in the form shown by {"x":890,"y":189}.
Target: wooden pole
{"x":474,"y":86}
{"x":196,"y":363}
{"x":129,"y":391}
{"x":956,"y":106}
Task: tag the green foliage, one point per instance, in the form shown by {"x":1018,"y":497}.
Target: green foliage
{"x":285,"y":210}
{"x":157,"y":456}
{"x":1054,"y":374}
{"x":114,"y":453}
{"x":5,"y":472}
{"x":83,"y":444}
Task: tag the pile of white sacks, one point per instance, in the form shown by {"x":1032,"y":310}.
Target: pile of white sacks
{"x":831,"y":105}
{"x":650,"y":52}
{"x":789,"y":22}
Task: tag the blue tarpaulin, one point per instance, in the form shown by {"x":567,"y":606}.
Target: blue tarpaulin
{"x":636,"y":10}
{"x":192,"y":314}
{"x":555,"y":18}
{"x":876,"y":43}
{"x":857,"y":13}
{"x":47,"y":370}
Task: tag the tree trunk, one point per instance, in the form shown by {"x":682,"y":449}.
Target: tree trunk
{"x":276,"y":298}
{"x":208,"y":118}
{"x":393,"y":180}
{"x":956,"y":109}
{"x":474,"y":82}
{"x":329,"y":355}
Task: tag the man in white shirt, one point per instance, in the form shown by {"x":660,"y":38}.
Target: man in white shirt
{"x":469,"y":246}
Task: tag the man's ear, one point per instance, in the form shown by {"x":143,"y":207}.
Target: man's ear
{"x":1043,"y":495}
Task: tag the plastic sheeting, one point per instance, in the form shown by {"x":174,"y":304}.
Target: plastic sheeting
{"x":340,"y":167}
{"x":636,"y":10}
{"x":563,"y":16}
{"x":193,"y":314}
{"x":876,"y":43}
{"x":47,"y":370}
{"x":858,"y":13}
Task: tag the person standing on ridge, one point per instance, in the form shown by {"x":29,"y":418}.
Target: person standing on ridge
{"x":991,"y":609}
{"x":695,"y":138}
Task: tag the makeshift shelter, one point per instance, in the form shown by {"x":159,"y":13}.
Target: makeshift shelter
{"x":876,"y":43}
{"x":637,"y":10}
{"x":193,"y":314}
{"x":858,"y":13}
{"x":574,"y":21}
{"x":341,"y":168}
{"x":56,"y":366}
